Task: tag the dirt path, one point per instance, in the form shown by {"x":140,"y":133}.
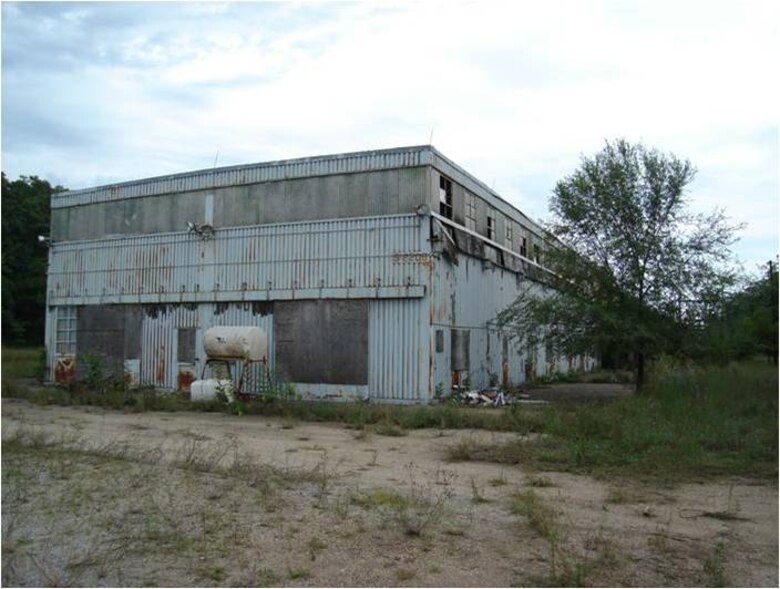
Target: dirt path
{"x":347,"y":525}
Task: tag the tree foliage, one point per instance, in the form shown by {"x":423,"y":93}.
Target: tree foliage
{"x":632,"y":269}
{"x":25,"y":216}
{"x":746,"y":325}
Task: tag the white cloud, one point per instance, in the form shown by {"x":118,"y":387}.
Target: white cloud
{"x":514,"y":92}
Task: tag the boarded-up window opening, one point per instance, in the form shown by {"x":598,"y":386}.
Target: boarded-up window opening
{"x":322,"y":341}
{"x":186,"y":345}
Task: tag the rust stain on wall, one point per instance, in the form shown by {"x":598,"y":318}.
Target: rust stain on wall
{"x":184,"y":380}
{"x":65,"y":370}
{"x":161,"y":367}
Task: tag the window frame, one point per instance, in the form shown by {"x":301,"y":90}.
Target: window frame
{"x":445,"y":196}
{"x":66,"y":327}
{"x":470,"y":214}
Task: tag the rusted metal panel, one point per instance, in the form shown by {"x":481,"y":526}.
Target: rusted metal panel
{"x":158,"y":349}
{"x":186,"y":374}
{"x":469,"y":296}
{"x":159,"y":342}
{"x":346,"y":258}
{"x":64,"y":369}
{"x":249,"y":174}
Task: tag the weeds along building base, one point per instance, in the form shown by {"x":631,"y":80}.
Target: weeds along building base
{"x":376,"y":275}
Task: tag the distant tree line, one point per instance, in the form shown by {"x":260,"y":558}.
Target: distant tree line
{"x":25,"y":216}
{"x":745,"y":324}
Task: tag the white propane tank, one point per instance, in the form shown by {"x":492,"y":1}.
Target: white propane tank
{"x":206,"y":390}
{"x":236,"y":343}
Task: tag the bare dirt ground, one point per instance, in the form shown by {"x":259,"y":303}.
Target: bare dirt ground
{"x":105,"y":498}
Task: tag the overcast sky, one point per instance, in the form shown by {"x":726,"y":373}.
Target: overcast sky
{"x":95,"y":93}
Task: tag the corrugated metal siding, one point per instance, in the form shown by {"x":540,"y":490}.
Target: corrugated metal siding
{"x":345,"y":258}
{"x":398,"y":352}
{"x":249,"y":174}
{"x":158,"y":350}
{"x":159,"y":335}
{"x":440,"y":374}
{"x":470,"y":296}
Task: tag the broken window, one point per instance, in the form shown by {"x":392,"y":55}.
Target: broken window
{"x":471,"y":212}
{"x":491,"y":227}
{"x":508,"y":234}
{"x":66,"y":330}
{"x":537,"y":253}
{"x":523,"y":247}
{"x":439,"y":341}
{"x":445,"y":197}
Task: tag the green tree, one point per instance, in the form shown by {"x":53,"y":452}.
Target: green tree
{"x":746,"y":325}
{"x":25,"y":206}
{"x":631,"y":268}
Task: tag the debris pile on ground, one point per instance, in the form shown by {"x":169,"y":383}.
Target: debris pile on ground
{"x":491,"y":397}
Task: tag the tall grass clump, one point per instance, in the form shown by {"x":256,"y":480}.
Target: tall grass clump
{"x":689,"y":421}
{"x":23,"y":363}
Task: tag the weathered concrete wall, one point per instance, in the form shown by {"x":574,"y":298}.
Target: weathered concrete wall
{"x":386,"y":192}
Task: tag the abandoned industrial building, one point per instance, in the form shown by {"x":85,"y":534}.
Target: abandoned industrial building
{"x":374,"y":275}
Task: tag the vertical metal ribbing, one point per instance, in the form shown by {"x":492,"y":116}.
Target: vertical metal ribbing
{"x":394,"y":362}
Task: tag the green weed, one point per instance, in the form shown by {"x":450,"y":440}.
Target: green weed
{"x":540,"y":516}
{"x":389,"y":429}
{"x":298,"y":574}
{"x":688,"y":422}
{"x":476,"y":495}
{"x":540,"y":481}
{"x":498,"y":481}
{"x":715,"y":566}
{"x":380,"y":498}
